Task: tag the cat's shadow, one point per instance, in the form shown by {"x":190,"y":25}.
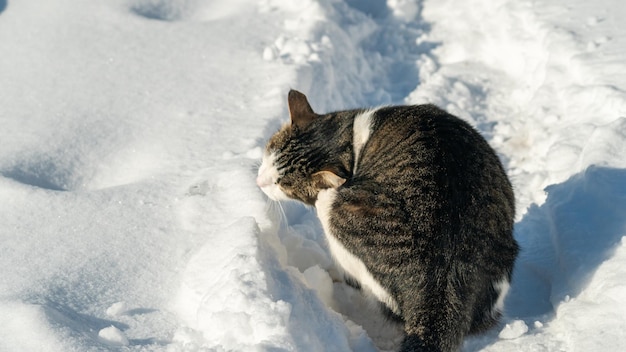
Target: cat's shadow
{"x":563,"y":242}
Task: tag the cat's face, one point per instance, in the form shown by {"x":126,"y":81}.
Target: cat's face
{"x":284,"y":174}
{"x":292,"y":167}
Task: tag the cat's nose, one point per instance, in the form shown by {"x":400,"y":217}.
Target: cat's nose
{"x":262,"y":181}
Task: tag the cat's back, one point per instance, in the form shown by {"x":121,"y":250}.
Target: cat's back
{"x":420,"y":131}
{"x":435,"y":166}
{"x":422,"y":140}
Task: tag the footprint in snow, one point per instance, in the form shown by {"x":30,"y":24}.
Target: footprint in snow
{"x":43,"y":173}
{"x":186,"y":10}
{"x":163,"y":10}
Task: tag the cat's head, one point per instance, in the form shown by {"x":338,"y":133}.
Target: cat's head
{"x":294,"y":162}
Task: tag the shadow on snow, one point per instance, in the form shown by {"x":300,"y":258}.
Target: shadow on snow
{"x":563,"y":242}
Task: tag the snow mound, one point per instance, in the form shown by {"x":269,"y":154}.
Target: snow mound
{"x":513,"y":330}
{"x":113,"y":336}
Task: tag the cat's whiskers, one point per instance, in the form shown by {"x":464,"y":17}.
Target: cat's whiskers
{"x":254,"y":167}
{"x":283,"y":216}
{"x":275,"y":208}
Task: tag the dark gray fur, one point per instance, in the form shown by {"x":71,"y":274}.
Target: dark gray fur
{"x":429,"y":212}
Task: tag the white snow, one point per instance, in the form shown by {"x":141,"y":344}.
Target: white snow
{"x":132,"y":130}
{"x":112,"y":336}
{"x":117,"y":309}
{"x":513,"y":330}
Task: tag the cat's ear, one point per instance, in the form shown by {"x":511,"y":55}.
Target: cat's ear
{"x":300,"y":111}
{"x":327,"y":179}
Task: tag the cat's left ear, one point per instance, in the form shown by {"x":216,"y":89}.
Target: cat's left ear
{"x":300,"y":110}
{"x":328,"y":179}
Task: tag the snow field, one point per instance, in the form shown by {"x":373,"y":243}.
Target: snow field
{"x":132,"y":130}
{"x":103,"y":142}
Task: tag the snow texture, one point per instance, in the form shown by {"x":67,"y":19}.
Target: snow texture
{"x":132,"y":131}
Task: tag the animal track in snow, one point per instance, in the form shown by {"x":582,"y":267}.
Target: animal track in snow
{"x":44,"y":174}
{"x":163,"y":10}
{"x":187,"y":10}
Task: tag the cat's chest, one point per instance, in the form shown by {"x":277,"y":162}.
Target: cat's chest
{"x":347,"y":261}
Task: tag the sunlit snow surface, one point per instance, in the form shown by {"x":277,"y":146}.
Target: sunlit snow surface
{"x":131,"y":131}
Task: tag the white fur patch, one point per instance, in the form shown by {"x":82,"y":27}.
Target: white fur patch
{"x":346,"y":260}
{"x":361,"y":131}
{"x":502,"y":287}
{"x":267,"y":177}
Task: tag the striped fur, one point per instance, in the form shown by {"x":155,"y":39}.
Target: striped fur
{"x":416,"y":208}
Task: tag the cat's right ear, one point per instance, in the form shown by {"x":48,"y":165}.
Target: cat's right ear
{"x":300,"y":111}
{"x":327,"y":179}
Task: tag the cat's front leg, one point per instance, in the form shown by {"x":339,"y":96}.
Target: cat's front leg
{"x":324,"y":205}
{"x":344,"y":260}
{"x":342,"y":247}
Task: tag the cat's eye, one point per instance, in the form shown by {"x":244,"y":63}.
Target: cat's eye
{"x":284,"y":184}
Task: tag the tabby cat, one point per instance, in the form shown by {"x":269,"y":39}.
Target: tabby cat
{"x":416,"y":208}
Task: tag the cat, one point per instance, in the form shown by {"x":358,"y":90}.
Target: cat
{"x":416,"y":207}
